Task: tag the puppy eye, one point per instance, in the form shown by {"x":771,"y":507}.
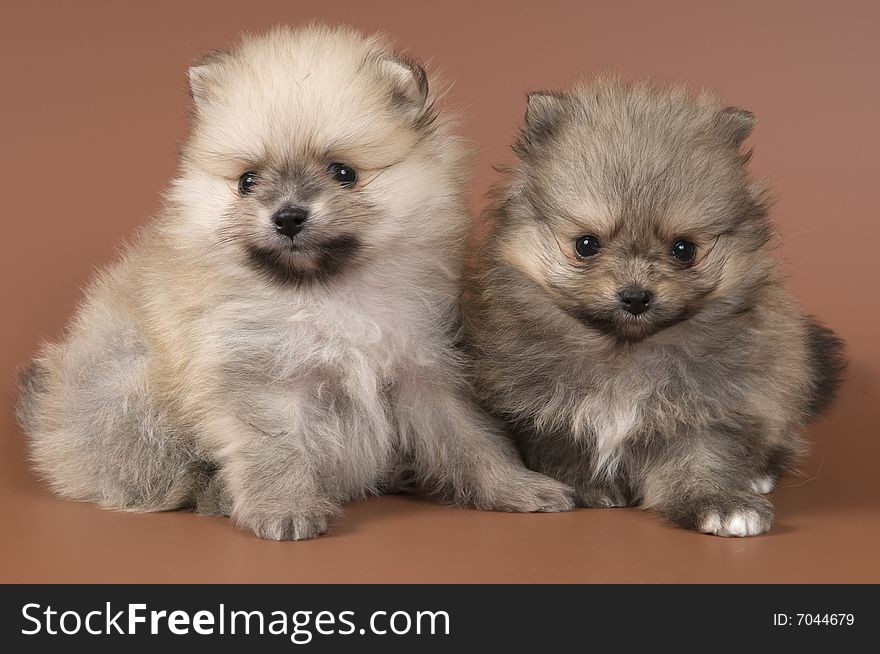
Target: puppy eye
{"x":343,"y":173}
{"x":587,"y":246}
{"x":247,"y":182}
{"x":684,"y":250}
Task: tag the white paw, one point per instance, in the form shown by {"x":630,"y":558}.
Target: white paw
{"x":741,"y":522}
{"x":763,"y":484}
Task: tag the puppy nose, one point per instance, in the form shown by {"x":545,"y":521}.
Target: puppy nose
{"x":289,"y":220}
{"x":636,"y":299}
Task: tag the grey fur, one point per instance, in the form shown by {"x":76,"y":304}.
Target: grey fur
{"x":693,"y":408}
{"x":274,"y":390}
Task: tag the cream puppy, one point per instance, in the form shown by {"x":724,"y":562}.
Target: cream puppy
{"x":280,"y":340}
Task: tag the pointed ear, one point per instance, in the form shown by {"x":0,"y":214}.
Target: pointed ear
{"x":735,"y":124}
{"x":409,"y":83}
{"x":544,"y":113}
{"x":203,"y":76}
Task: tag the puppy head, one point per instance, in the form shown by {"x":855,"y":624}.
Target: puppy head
{"x":631,"y":207}
{"x":309,"y":149}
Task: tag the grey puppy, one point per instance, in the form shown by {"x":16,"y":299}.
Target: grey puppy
{"x":627,"y":318}
{"x":280,"y":340}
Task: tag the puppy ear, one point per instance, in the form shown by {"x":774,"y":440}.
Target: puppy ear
{"x":544,"y":114}
{"x":409,"y":83}
{"x":203,"y":76}
{"x":735,"y":124}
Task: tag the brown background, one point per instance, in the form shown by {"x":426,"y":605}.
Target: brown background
{"x":94,"y":101}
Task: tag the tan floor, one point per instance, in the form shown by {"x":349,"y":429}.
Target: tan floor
{"x":828,"y":530}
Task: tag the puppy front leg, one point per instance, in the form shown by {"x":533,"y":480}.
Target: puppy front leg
{"x":275,"y":484}
{"x":460,"y":454}
{"x":704,"y":482}
{"x":557,"y":456}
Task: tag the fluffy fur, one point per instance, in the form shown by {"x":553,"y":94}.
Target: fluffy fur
{"x":224,"y":366}
{"x":694,"y":406}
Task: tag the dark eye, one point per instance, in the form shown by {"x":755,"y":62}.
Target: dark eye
{"x":587,"y":246}
{"x":343,"y":173}
{"x":684,"y":250}
{"x":247,"y":182}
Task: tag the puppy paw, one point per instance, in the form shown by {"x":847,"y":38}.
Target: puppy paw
{"x":731,"y":515}
{"x":290,"y":525}
{"x":602,"y":497}
{"x":524,"y":491}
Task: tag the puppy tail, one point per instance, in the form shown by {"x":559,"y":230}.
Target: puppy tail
{"x":32,"y":382}
{"x":828,"y":362}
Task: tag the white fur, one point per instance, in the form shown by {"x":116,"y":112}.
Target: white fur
{"x":741,"y":522}
{"x":763,"y":484}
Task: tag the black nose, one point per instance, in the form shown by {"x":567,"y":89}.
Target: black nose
{"x":290,"y":220}
{"x":636,"y":299}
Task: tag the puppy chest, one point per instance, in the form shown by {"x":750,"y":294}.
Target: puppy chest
{"x":609,"y":420}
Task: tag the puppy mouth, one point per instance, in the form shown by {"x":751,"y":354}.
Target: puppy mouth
{"x":296,"y":261}
{"x":626,"y":327}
